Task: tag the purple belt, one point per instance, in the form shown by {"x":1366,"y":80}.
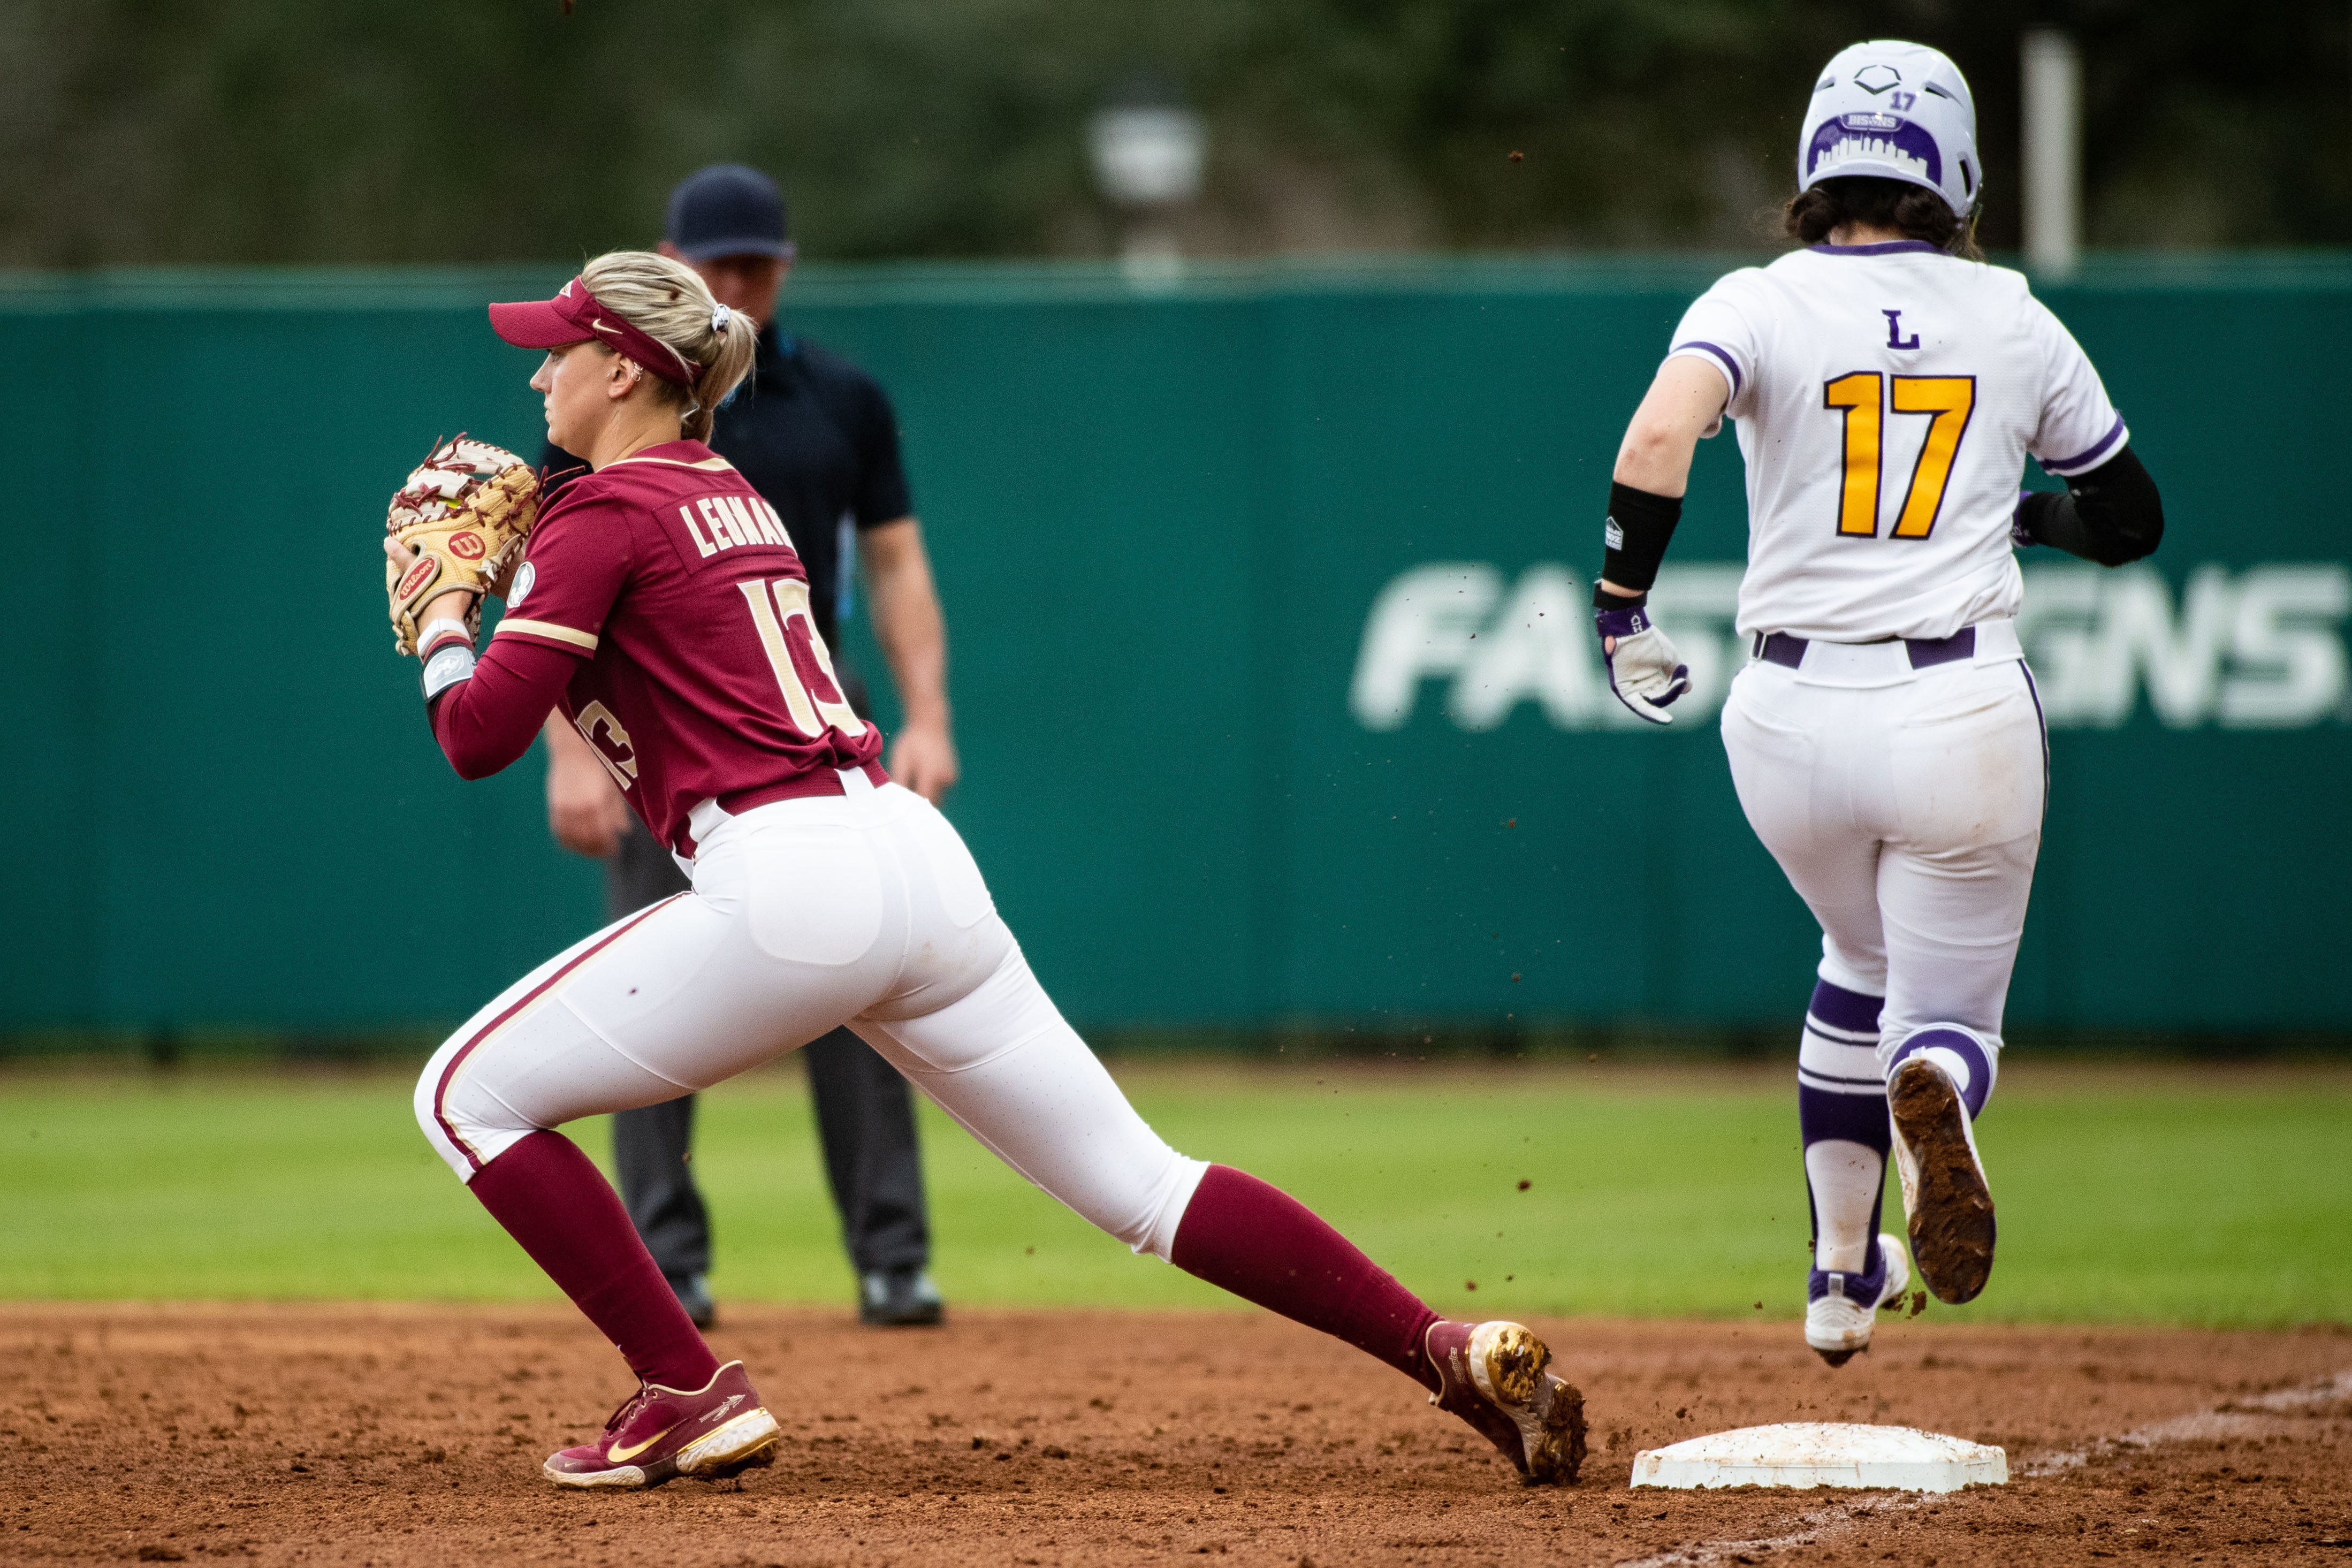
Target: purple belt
{"x":1780,"y":649}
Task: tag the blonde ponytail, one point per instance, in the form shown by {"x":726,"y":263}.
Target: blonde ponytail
{"x":667,"y":301}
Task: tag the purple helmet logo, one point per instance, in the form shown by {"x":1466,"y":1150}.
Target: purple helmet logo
{"x":1882,"y":139}
{"x":1876,"y":78}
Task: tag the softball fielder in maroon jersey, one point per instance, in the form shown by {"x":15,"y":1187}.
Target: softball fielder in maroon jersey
{"x":660,"y":608}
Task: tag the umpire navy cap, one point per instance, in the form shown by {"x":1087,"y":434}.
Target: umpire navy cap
{"x":728,"y":209}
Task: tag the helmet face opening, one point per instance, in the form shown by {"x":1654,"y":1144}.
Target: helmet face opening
{"x":1899,"y":112}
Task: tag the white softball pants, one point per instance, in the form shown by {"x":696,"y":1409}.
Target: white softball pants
{"x":864,"y":909}
{"x":1905,"y":809}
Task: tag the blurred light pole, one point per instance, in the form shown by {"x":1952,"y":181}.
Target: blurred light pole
{"x":2054,"y":153}
{"x":1148,"y":148}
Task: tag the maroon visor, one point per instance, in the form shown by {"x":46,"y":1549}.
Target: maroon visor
{"x":574,"y":317}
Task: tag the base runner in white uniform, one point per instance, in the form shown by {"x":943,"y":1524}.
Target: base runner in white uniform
{"x":1886,"y":738}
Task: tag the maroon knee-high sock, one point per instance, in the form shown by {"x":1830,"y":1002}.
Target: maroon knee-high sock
{"x":553,"y":1200}
{"x":1266,"y":1247}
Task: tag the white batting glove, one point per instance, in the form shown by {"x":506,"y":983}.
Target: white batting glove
{"x":1644,"y":671}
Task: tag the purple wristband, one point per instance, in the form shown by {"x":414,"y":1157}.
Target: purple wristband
{"x":1626,"y":623}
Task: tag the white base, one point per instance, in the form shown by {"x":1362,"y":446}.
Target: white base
{"x":1823,"y":1454}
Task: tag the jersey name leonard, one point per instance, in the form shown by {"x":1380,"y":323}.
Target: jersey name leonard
{"x":713,"y":525}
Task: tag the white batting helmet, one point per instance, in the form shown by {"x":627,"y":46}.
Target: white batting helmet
{"x":1898,"y":110}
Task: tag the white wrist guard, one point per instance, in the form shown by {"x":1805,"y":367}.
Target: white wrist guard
{"x":436,"y":632}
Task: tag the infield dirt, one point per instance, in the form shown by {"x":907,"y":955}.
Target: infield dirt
{"x":390,"y":1436}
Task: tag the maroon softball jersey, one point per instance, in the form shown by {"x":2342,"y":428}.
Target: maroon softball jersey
{"x":701,"y":675}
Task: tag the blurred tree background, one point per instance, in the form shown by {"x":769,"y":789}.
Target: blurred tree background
{"x":147,"y":131}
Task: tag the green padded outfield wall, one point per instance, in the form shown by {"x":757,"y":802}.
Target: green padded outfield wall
{"x":1271,"y":675}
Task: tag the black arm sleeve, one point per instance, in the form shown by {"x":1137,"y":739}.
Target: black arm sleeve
{"x":2111,"y":515}
{"x":1634,"y":541}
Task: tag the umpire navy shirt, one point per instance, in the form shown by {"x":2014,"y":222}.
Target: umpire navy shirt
{"x":815,"y":435}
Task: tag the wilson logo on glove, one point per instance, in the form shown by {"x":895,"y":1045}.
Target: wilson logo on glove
{"x":416,"y":577}
{"x":467,"y":546}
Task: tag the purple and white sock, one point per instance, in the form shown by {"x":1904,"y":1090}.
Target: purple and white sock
{"x":1973,"y":1059}
{"x":1842,"y":1115}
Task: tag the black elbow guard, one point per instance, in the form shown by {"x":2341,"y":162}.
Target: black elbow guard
{"x":2111,"y":515}
{"x":1634,"y":542}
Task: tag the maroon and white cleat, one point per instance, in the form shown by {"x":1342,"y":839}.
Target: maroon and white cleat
{"x":660,"y":1434}
{"x":1492,"y":1375}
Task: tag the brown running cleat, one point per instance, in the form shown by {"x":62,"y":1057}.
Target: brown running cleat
{"x":1492,"y":1375}
{"x":660,"y":1434}
{"x":1944,"y":1195}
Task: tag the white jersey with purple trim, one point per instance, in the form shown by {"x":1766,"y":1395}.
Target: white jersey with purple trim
{"x":1887,"y":398}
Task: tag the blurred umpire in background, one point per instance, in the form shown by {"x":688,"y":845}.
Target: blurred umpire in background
{"x":815,"y":435}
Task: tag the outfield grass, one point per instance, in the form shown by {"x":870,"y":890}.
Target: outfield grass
{"x":2151,"y":1194}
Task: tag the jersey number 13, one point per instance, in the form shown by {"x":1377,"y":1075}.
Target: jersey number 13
{"x":813,"y":707}
{"x":1864,"y":399}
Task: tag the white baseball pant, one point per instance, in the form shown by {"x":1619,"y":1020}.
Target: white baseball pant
{"x":864,"y":909}
{"x":1905,"y":808}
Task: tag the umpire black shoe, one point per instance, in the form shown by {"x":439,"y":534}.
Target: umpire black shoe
{"x":694,"y":1294}
{"x":899,"y":1299}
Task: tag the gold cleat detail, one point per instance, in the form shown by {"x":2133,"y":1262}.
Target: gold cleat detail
{"x":1514,"y":1360}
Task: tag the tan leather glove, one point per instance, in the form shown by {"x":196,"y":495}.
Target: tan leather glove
{"x":466,"y":510}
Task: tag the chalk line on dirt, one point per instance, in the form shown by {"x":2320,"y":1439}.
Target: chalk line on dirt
{"x":2225,"y":1419}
